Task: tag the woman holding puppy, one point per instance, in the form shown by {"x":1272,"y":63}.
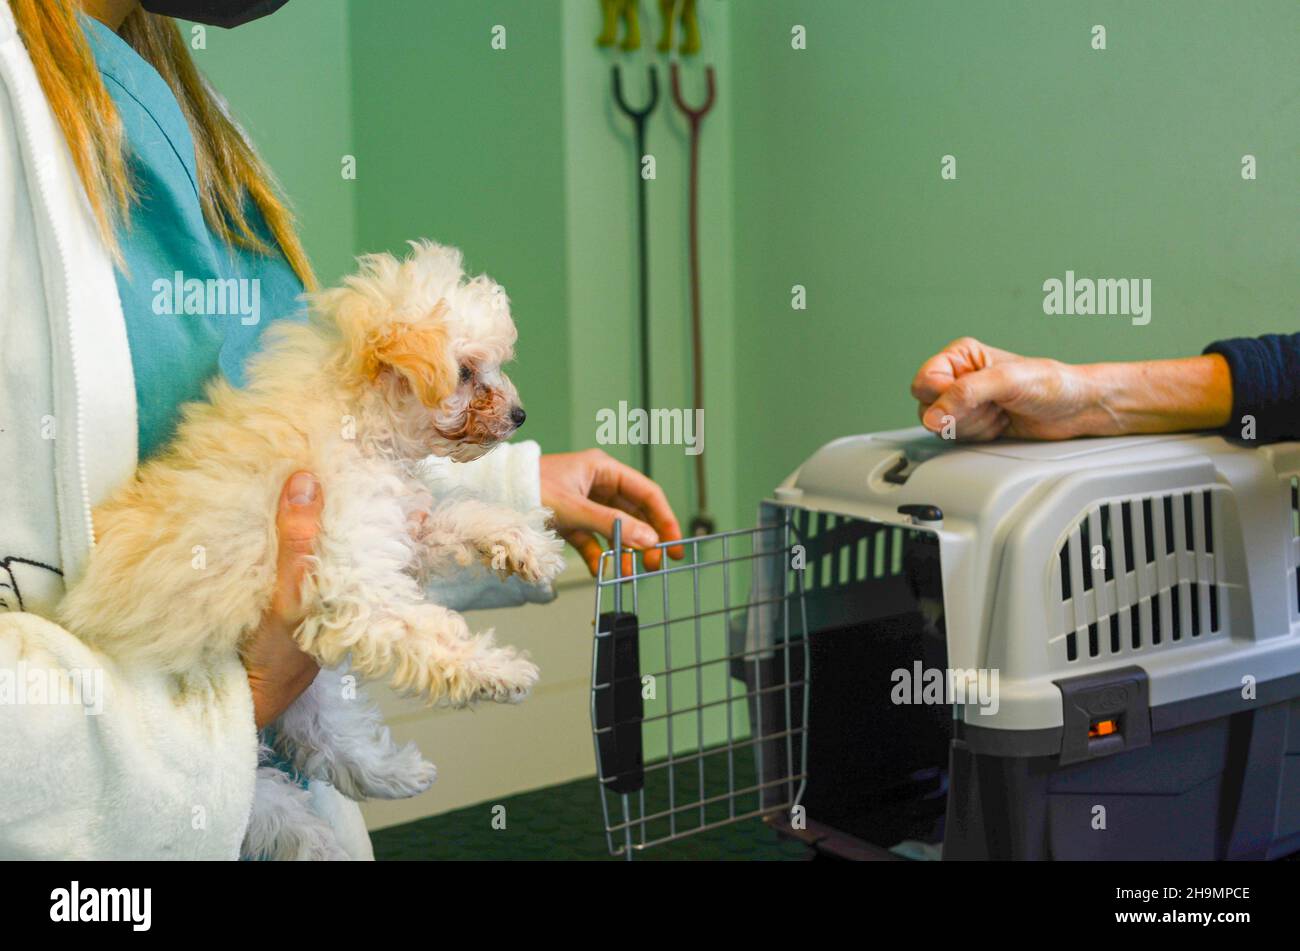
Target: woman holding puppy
{"x":120,"y":167}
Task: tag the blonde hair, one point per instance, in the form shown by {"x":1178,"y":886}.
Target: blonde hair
{"x":229,"y":171}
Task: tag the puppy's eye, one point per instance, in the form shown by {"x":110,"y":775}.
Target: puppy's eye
{"x":466,"y":374}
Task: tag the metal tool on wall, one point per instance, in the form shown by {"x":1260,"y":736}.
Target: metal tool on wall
{"x":701,"y":522}
{"x":639,"y":118}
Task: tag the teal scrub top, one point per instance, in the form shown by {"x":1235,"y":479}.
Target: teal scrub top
{"x":166,"y":245}
{"x":182,"y":326}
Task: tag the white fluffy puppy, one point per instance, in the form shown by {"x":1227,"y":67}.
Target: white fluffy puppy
{"x":401,"y":362}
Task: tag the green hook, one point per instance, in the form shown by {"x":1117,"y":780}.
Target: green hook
{"x":613,"y":11}
{"x":690,"y":26}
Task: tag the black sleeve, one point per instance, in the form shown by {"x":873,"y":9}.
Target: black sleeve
{"x":1265,"y":384}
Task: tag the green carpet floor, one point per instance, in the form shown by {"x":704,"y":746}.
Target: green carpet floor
{"x":565,"y":823}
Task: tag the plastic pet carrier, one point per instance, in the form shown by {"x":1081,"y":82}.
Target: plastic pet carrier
{"x":1075,"y":650}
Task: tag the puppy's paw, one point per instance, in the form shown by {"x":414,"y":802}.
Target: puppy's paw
{"x":534,"y":554}
{"x":403,"y":774}
{"x":505,"y":676}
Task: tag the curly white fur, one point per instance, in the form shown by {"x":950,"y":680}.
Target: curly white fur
{"x":401,"y":362}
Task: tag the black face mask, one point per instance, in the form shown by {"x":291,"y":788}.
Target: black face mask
{"x":226,"y":13}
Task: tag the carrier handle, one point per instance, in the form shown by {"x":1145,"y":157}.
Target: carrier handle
{"x":619,"y":708}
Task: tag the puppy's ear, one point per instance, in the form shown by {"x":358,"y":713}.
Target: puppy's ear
{"x":374,"y":340}
{"x":415,"y":351}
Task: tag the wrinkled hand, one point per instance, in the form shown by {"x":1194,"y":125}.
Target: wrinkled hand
{"x":278,"y":671}
{"x":588,"y":490}
{"x":989,"y":393}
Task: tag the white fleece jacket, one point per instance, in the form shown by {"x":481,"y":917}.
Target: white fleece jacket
{"x":97,"y":762}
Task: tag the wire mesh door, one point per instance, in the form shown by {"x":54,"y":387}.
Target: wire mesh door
{"x":699,"y":699}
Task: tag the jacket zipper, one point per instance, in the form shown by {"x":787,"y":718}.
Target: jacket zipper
{"x":41,"y":174}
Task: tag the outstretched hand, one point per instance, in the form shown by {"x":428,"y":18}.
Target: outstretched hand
{"x":589,"y":490}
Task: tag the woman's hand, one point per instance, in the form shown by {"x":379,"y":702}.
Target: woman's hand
{"x":988,"y":392}
{"x":983,"y":393}
{"x":588,"y":490}
{"x":277,"y":670}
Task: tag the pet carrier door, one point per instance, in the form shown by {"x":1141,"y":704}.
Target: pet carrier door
{"x":699,"y":698}
{"x":703,"y":674}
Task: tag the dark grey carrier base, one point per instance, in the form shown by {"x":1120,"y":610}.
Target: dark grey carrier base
{"x":1217,"y":778}
{"x":1226,"y":787}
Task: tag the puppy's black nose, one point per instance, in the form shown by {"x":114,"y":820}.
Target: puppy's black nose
{"x":517,"y":416}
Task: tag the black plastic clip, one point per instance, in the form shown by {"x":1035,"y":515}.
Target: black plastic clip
{"x":618,"y":705}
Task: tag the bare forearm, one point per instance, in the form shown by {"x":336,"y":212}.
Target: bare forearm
{"x":1159,"y":396}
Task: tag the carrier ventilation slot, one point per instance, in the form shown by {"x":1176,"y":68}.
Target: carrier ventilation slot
{"x":1141,"y":573}
{"x":846,"y":551}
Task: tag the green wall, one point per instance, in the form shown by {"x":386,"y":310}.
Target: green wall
{"x":1117,"y":163}
{"x":288,"y":80}
{"x":820,"y":168}
{"x":600,"y":192}
{"x":462,"y":143}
